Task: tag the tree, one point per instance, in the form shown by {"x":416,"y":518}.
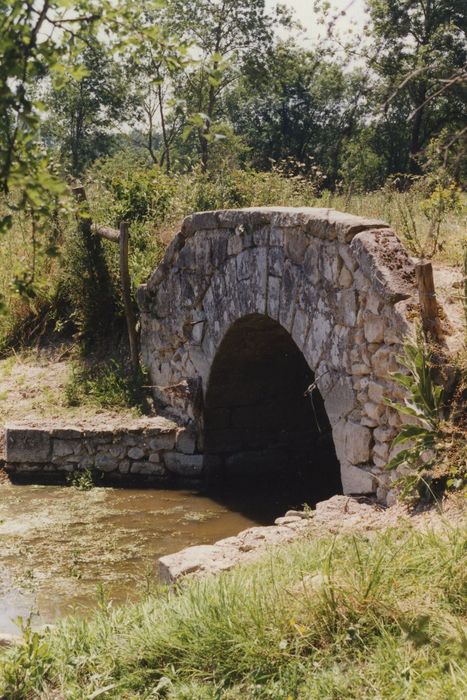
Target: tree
{"x":153,"y":72}
{"x":85,"y":106}
{"x":37,"y":40}
{"x":419,"y":46}
{"x":223,"y":33}
{"x":296,"y":105}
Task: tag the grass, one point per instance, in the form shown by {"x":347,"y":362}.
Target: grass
{"x":106,"y":385}
{"x":396,"y":207}
{"x":379,"y":616}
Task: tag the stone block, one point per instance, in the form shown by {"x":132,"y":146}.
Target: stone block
{"x":276,"y":237}
{"x":347,"y":256}
{"x":356,"y":481}
{"x":296,"y":244}
{"x":381,"y":450}
{"x":234,"y":245}
{"x":66,"y":433}
{"x":106,"y":463}
{"x":384,"y":434}
{"x":124,"y":466}
{"x":116,"y":450}
{"x":318,"y":336}
{"x":61,"y":448}
{"x":164,"y":441}
{"x":183,"y":465}
{"x":300,"y":328}
{"x":273,"y":295}
{"x":357,"y":443}
{"x":149,"y":468}
{"x":373,"y":302}
{"x":384,"y":362}
{"x":185,"y":441}
{"x":276,"y":259}
{"x":347,"y":307}
{"x":329,"y":263}
{"x":136,"y":453}
{"x":311,"y":273}
{"x":340,"y":400}
{"x":385,"y":262}
{"x":291,"y":280}
{"x":27,"y":445}
{"x":373,"y":410}
{"x":345,"y":278}
{"x":197,"y":332}
{"x":373,"y":327}
{"x":375,"y":392}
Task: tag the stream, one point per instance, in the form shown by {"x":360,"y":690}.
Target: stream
{"x":62,"y":550}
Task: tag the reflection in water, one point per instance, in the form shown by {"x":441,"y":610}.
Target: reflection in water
{"x":58,"y":544}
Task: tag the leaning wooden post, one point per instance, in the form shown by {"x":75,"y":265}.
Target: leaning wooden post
{"x":427,"y":296}
{"x":126,"y":293}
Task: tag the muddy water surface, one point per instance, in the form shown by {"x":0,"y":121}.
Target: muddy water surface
{"x":59,"y":546}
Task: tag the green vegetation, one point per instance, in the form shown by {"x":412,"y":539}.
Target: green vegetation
{"x":105,"y":385}
{"x":434,"y":452}
{"x":163,"y":108}
{"x":82,"y":480}
{"x":341,"y":617}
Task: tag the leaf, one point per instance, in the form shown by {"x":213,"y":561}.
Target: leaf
{"x":101,"y":691}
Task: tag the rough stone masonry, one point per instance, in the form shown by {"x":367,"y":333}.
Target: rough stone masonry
{"x":341,"y":286}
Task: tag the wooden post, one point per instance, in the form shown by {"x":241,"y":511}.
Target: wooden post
{"x":427,"y":296}
{"x":126,"y":293}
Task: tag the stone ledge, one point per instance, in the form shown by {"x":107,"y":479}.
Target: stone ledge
{"x":143,"y":447}
{"x":319,"y":221}
{"x":385,"y":262}
{"x":339,"y":513}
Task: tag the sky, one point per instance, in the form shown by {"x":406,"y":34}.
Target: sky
{"x":354,"y":12}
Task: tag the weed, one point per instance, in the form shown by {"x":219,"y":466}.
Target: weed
{"x":434,"y":196}
{"x":83,"y":479}
{"x":27,"y":667}
{"x":435,"y":454}
{"x":107,"y":385}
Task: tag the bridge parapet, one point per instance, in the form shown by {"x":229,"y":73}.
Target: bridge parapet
{"x":343,"y":288}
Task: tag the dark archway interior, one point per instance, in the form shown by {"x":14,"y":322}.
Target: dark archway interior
{"x":267,"y":447}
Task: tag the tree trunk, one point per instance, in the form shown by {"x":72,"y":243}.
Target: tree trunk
{"x":415,"y":140}
{"x":164,"y":130}
{"x":126,"y":294}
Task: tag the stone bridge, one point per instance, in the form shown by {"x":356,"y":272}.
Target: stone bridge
{"x":272,"y":333}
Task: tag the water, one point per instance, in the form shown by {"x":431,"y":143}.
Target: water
{"x":59,"y":545}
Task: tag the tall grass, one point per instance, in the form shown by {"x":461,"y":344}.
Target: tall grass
{"x":155,"y":204}
{"x":346,"y":617}
{"x":395,"y":207}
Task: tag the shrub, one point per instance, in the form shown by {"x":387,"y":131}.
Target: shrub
{"x":105,"y":384}
{"x":435,"y":453}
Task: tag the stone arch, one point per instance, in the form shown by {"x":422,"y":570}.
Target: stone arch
{"x":259,"y":423}
{"x":340,"y":286}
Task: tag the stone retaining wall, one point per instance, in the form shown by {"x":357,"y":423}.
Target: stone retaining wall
{"x":156,"y":450}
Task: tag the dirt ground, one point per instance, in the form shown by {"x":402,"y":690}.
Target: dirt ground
{"x":32,"y":385}
{"x":449,"y":289}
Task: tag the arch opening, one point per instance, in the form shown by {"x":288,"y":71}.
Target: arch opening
{"x":262,"y":433}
